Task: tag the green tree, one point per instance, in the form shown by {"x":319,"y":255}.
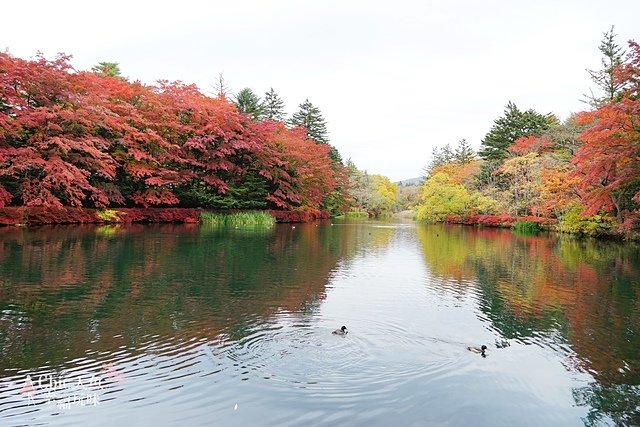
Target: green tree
{"x":565,"y":137}
{"x":310,"y":117}
{"x":512,"y":125}
{"x":506,"y":130}
{"x":604,"y":78}
{"x":439,"y":156}
{"x":272,"y":106}
{"x":375,"y":194}
{"x":464,"y":153}
{"x":358,"y":185}
{"x":110,"y":69}
{"x":249,"y":103}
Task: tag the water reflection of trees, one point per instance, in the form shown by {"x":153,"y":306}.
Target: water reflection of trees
{"x":580,"y":293}
{"x":66,"y":291}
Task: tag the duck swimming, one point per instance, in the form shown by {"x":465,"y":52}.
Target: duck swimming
{"x":341,"y":331}
{"x":480,"y":350}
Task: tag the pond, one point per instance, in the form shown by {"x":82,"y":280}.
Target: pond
{"x":187,"y":325}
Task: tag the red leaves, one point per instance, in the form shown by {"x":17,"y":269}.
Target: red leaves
{"x":80,"y":139}
{"x":5,"y":197}
{"x":497,"y":220}
{"x":530,"y":144}
{"x":66,"y":215}
{"x":154,"y":196}
{"x":607,"y":160}
{"x":299,"y":168}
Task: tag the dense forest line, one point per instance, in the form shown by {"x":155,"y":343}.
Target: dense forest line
{"x":94,"y":139}
{"x":583,"y":172}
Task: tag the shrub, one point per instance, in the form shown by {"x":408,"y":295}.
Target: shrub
{"x":299,"y":216}
{"x":574,"y":222}
{"x":108,"y":215}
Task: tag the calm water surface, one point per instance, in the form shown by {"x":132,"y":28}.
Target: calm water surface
{"x":183,"y":325}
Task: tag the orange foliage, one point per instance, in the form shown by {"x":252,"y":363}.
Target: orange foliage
{"x":460,"y":173}
{"x":531,"y":144}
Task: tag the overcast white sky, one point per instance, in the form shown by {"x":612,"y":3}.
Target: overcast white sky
{"x":392,"y":78}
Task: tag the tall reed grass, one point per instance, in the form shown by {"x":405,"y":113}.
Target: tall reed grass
{"x":354,"y":215}
{"x":525,"y":227}
{"x":254,"y":219}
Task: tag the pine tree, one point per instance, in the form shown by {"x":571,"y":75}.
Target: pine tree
{"x":506,"y":130}
{"x":311,"y":119}
{"x":249,"y":103}
{"x":110,"y":69}
{"x":447,"y":154}
{"x":512,"y":125}
{"x":464,"y":153}
{"x":612,"y":57}
{"x":439,"y":156}
{"x":272,"y":106}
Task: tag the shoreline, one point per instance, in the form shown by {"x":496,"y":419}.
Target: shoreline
{"x":545,"y":224}
{"x":33,"y":216}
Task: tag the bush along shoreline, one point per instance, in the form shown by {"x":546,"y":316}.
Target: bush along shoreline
{"x":583,"y":227}
{"x":32,"y":216}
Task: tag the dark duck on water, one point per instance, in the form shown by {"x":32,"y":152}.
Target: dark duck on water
{"x":341,"y":331}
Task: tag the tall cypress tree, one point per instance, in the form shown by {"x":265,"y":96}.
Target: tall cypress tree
{"x":272,"y":106}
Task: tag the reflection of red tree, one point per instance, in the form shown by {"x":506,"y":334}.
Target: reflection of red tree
{"x":90,"y":288}
{"x":537,"y":275}
{"x":115,"y":375}
{"x":28,"y":388}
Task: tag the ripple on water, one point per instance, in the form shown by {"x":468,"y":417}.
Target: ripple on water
{"x":353,"y":369}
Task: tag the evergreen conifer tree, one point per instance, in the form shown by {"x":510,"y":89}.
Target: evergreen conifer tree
{"x":249,"y":103}
{"x":512,"y":125}
{"x":311,"y":119}
{"x":464,"y":153}
{"x":506,"y":130}
{"x":272,"y":106}
{"x":612,"y":57}
{"x":111,"y":69}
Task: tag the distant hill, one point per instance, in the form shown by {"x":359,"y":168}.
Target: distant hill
{"x":412,"y":181}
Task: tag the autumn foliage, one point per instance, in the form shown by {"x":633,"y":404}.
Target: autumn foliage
{"x":608,"y":161}
{"x":581,"y":176}
{"x":80,"y":139}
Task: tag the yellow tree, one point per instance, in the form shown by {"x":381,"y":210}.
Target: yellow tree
{"x":384,"y":194}
{"x":441,"y":196}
